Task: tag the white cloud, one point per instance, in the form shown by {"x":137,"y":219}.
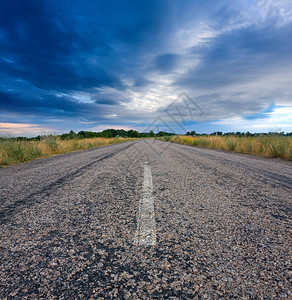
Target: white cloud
{"x":22,"y":129}
{"x":278,"y":120}
{"x":82,"y":97}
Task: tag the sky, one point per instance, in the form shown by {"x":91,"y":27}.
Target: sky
{"x":146,"y":65}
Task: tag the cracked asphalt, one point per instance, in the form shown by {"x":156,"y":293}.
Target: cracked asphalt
{"x":223,"y":225}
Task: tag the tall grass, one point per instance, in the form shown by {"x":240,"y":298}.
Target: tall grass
{"x":12,"y":151}
{"x":269,"y":146}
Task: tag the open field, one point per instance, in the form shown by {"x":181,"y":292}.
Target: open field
{"x":269,"y":146}
{"x":13,"y":151}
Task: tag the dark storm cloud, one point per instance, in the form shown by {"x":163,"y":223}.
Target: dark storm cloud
{"x":70,"y":47}
{"x":107,"y":101}
{"x":49,"y":105}
{"x":44,"y":49}
{"x":239,"y":56}
{"x":166,"y":62}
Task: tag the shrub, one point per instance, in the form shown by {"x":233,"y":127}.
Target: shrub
{"x":51,"y":141}
{"x":231,"y":143}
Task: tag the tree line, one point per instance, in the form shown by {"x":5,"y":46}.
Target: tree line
{"x":240,"y":134}
{"x":110,"y":133}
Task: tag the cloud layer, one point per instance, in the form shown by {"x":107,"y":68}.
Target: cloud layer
{"x":81,"y":65}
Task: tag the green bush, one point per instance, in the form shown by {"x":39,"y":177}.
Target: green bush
{"x":231,"y":144}
{"x":51,"y":141}
{"x":195,"y":142}
{"x":33,"y":152}
{"x":15,"y":151}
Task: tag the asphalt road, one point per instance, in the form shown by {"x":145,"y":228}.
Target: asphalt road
{"x":190,"y":223}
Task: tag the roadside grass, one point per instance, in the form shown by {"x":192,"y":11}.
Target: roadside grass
{"x":269,"y":146}
{"x":13,"y":151}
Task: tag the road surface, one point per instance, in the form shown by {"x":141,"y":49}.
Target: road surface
{"x":146,"y":220}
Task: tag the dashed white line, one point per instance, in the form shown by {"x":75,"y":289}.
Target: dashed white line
{"x":146,"y":234}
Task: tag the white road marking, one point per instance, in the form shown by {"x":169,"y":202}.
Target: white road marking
{"x":146,"y":234}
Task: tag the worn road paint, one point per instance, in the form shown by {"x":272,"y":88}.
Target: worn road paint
{"x":146,"y":234}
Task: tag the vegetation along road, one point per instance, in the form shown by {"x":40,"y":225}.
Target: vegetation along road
{"x":146,"y":219}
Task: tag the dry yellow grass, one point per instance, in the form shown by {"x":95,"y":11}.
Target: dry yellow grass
{"x":269,"y":146}
{"x":12,"y":151}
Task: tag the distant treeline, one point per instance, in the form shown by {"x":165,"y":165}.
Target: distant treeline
{"x":238,"y":133}
{"x":111,"y":133}
{"x":108,"y":133}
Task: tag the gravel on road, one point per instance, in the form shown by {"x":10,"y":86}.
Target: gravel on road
{"x":222,"y":225}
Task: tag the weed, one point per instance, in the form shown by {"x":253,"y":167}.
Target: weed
{"x":231,"y":143}
{"x":248,"y":146}
{"x":51,"y":141}
{"x":33,"y":151}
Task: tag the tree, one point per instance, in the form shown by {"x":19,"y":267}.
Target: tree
{"x":106,"y":133}
{"x":72,"y":134}
{"x":133,"y":133}
{"x":81,"y":134}
{"x":161,"y":133}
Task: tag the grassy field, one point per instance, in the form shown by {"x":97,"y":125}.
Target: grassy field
{"x":12,"y":151}
{"x":269,"y":146}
